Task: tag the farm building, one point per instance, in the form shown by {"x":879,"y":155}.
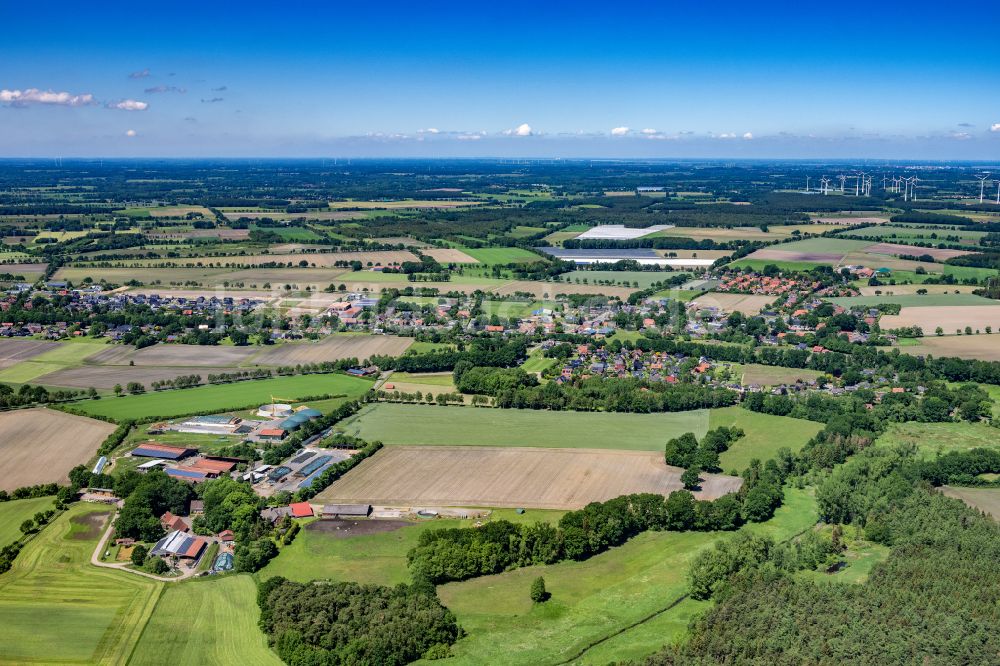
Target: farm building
{"x":154,"y":450}
{"x":150,"y":464}
{"x":273,"y":514}
{"x":179,"y":544}
{"x":192,"y":476}
{"x":347,"y":510}
{"x":272,"y":434}
{"x":173,"y":523}
{"x":275,"y":410}
{"x":301,"y":509}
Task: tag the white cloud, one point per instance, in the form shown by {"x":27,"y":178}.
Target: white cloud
{"x":469,"y":137}
{"x":619,"y":131}
{"x":524,"y":129}
{"x":995,"y":127}
{"x":36,"y":96}
{"x":649,"y":131}
{"x":130,"y":133}
{"x":725,"y":135}
{"x":128,"y":105}
{"x":748,"y":135}
{"x":141,"y":74}
{"x":429,"y":130}
{"x":961,"y":136}
{"x":165,"y":89}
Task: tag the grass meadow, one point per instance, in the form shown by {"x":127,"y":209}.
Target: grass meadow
{"x":15,"y":512}
{"x":205,"y":621}
{"x":222,"y":397}
{"x":615,"y":606}
{"x":58,"y":608}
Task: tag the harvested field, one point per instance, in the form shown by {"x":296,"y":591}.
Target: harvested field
{"x":949,"y":318}
{"x":888,"y":261}
{"x":749,"y":304}
{"x":504,"y":477}
{"x":27,"y":270}
{"x":911,"y":289}
{"x":450,"y":256}
{"x":914,"y":250}
{"x":982,"y":499}
{"x":982,"y":347}
{"x":225,"y":234}
{"x":106,"y":377}
{"x":406,"y":203}
{"x":770,"y":375}
{"x":43,"y":445}
{"x":314,"y":259}
{"x":335,"y":348}
{"x":785,"y":255}
{"x":174,"y":355}
{"x":282,"y":215}
{"x":851,"y":221}
{"x":15,"y":351}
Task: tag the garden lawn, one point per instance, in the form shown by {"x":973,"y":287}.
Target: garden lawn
{"x":625,"y":589}
{"x":15,"y":512}
{"x":223,"y":397}
{"x":206,"y":621}
{"x":58,"y":608}
{"x":399,"y":424}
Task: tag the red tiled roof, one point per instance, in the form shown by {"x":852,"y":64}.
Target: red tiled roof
{"x":301,"y":509}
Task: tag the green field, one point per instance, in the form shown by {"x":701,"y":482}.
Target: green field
{"x":765,"y":434}
{"x":759,"y":264}
{"x":902,"y":234}
{"x":223,"y":397}
{"x":207,"y":621}
{"x":931,"y":439}
{"x":376,"y":559}
{"x":500,"y":255}
{"x":69,"y":355}
{"x":913,"y":300}
{"x":396,"y":424}
{"x":15,"y":512}
{"x":58,"y":608}
{"x":513,"y":309}
{"x":537,"y":362}
{"x":616,"y":591}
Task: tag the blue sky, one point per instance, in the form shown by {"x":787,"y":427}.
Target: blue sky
{"x":720,"y":79}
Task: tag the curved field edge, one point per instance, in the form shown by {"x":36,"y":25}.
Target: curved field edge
{"x":621,"y":594}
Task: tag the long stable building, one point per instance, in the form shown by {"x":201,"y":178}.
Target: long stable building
{"x":154,"y":450}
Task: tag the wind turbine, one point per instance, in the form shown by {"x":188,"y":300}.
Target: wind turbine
{"x":982,"y":186}
{"x":807,"y":183}
{"x":998,"y":192}
{"x":826,"y":184}
{"x":913,"y":189}
{"x":842,"y":179}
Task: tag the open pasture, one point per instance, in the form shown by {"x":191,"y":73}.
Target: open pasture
{"x":771,"y":375}
{"x":13,"y":351}
{"x":30,"y":272}
{"x":334,"y":348}
{"x":761,"y":438}
{"x":933,"y":439}
{"x":14,"y":512}
{"x":59,"y":609}
{"x":222,"y":397}
{"x":43,"y":445}
{"x":210,"y":621}
{"x":396,"y":424}
{"x":621,"y":604}
{"x":625,"y":278}
{"x":911,"y":289}
{"x":548,"y":290}
{"x":949,"y":318}
{"x":850,"y":220}
{"x":982,"y":347}
{"x":511,"y":477}
{"x":501,"y":255}
{"x":748,"y":304}
{"x":224,"y":234}
{"x":313,"y":259}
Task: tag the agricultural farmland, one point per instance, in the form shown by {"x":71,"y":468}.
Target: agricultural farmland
{"x":43,"y":445}
{"x":748,"y":304}
{"x":982,"y":499}
{"x":58,"y":608}
{"x":14,"y":512}
{"x":950,"y":318}
{"x":396,"y":424}
{"x":982,"y":347}
{"x":511,"y":477}
{"x":222,"y":397}
{"x":205,"y":621}
{"x":15,"y":351}
{"x":334,"y":348}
